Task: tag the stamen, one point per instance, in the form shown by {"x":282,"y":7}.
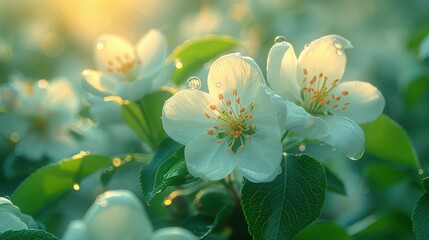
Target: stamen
{"x":221,"y":96}
{"x":238,"y":100}
{"x":228,"y":103}
{"x":345,"y":93}
{"x":210,"y":132}
{"x":305,"y":71}
{"x":207,"y":115}
{"x":213,"y":107}
{"x":234,"y":92}
{"x":335,"y":106}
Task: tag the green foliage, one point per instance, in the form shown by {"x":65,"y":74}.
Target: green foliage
{"x":334,"y":183}
{"x":144,"y":117}
{"x":50,"y":182}
{"x":194,"y":53}
{"x":420,"y":216}
{"x":385,"y":139}
{"x":323,"y":231}
{"x":283,"y":207}
{"x":30,"y":234}
{"x":167,"y":168}
{"x":383,"y":175}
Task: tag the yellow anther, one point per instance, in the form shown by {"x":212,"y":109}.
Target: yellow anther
{"x":345,"y":93}
{"x":213,"y":107}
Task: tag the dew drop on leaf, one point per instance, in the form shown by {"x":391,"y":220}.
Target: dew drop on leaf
{"x":178,"y":63}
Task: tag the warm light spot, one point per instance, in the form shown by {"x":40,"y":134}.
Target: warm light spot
{"x":82,"y":154}
{"x":14,"y":137}
{"x":116,"y":162}
{"x":179,"y":64}
{"x":43,"y":83}
{"x":116,"y":99}
{"x":76,"y":187}
{"x":167,"y":202}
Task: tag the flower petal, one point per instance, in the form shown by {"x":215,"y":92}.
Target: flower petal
{"x":207,"y":159}
{"x":151,"y":53}
{"x":184,"y":115}
{"x":346,"y":136}
{"x":235,"y":72}
{"x":117,"y":215}
{"x":175,"y":233}
{"x":364,"y":101}
{"x":76,"y":230}
{"x":98,"y":83}
{"x":111,"y":52}
{"x":324,"y":55}
{"x":260,"y":159}
{"x":281,"y":71}
{"x":303,"y":123}
{"x":133,"y":90}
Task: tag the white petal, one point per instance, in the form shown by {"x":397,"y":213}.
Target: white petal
{"x":267,"y":111}
{"x":365,"y":102}
{"x":9,"y":221}
{"x":424,"y":48}
{"x":117,"y":215}
{"x":303,"y":123}
{"x":98,"y":83}
{"x":183,"y":115}
{"x":175,"y":233}
{"x":151,"y":53}
{"x":76,"y":230}
{"x":324,"y":55}
{"x":280,"y":110}
{"x":133,"y":90}
{"x":281,"y":71}
{"x":235,"y":72}
{"x":111,"y":52}
{"x":260,"y":159}
{"x":207,"y":159}
{"x":345,"y":136}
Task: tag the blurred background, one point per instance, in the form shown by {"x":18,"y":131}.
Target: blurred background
{"x":48,"y":39}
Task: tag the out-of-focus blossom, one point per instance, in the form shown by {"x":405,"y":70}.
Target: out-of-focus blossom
{"x":330,"y":110}
{"x":124,"y":70}
{"x":11,"y":217}
{"x":119,"y":215}
{"x":234,"y":126}
{"x":40,"y":118}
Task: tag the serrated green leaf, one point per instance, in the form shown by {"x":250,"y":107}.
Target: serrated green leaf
{"x":420,"y":215}
{"x":50,"y":182}
{"x":144,"y":117}
{"x":386,"y":139}
{"x":323,"y":231}
{"x":334,"y":183}
{"x":167,"y":168}
{"x":194,"y":53}
{"x":30,"y":234}
{"x":383,"y":175}
{"x":281,"y":208}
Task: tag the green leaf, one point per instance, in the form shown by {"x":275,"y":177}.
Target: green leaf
{"x":323,"y":231}
{"x":50,"y":182}
{"x":30,"y":234}
{"x":194,"y":53}
{"x":144,"y":117}
{"x":392,"y":225}
{"x":167,"y":168}
{"x":120,"y":162}
{"x":281,"y":208}
{"x":385,"y":139}
{"x":420,"y":215}
{"x":334,"y":183}
{"x":417,"y":90}
{"x":384,"y":175}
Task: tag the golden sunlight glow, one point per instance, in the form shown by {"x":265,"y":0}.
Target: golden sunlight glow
{"x":167,"y":202}
{"x":116,"y":162}
{"x":76,"y":187}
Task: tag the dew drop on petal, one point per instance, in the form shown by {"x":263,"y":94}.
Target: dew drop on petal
{"x":218,"y":84}
{"x":194,"y":83}
{"x":302,"y":147}
{"x":279,"y":39}
{"x":306,"y":45}
{"x":339,"y":52}
{"x":338,"y":45}
{"x":178,"y":63}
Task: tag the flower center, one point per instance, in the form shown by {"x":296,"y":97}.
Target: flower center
{"x":235,"y":122}
{"x":317,"y":97}
{"x":124,"y":65}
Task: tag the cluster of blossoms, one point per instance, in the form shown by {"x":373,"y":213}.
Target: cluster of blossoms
{"x":240,"y":122}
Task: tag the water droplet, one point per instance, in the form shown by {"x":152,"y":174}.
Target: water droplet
{"x":279,"y":39}
{"x":356,"y":157}
{"x":306,"y":45}
{"x":76,"y":187}
{"x":310,"y":53}
{"x":100,"y":45}
{"x":302,"y":147}
{"x":194,"y":83}
{"x":218,"y":84}
{"x":339,"y":52}
{"x":338,"y":45}
{"x":178,"y":63}
{"x":420,"y":171}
